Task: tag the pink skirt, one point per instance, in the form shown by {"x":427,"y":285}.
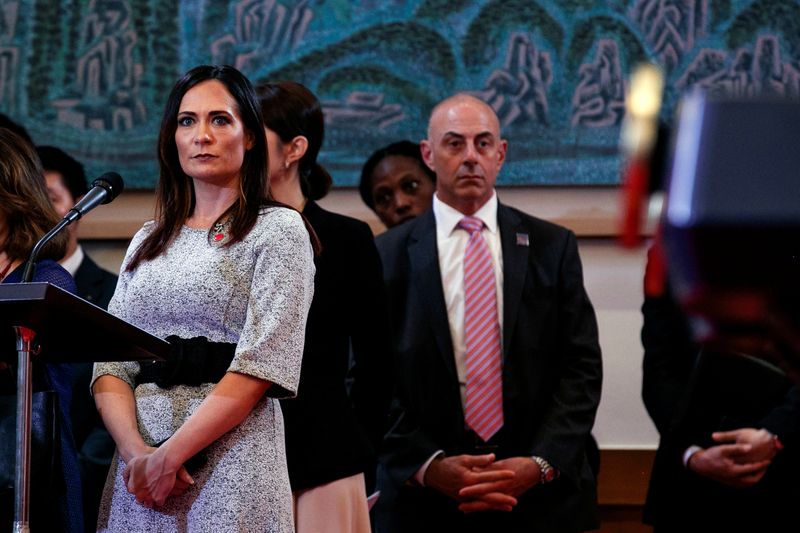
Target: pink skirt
{"x":336,"y":507}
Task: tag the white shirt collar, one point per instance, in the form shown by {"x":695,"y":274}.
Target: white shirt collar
{"x":72,"y":263}
{"x":447,"y":217}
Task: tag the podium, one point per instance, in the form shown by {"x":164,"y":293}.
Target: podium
{"x":66,"y":329}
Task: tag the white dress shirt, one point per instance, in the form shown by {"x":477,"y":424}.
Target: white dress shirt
{"x":72,"y":263}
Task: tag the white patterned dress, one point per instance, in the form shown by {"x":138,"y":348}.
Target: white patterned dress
{"x":255,"y":293}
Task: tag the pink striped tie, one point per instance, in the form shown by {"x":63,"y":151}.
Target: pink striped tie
{"x":484,"y":403}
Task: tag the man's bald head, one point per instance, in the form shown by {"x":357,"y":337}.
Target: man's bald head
{"x":465,"y":151}
{"x":451,"y":105}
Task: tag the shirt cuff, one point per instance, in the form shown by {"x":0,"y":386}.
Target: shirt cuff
{"x":690,"y":451}
{"x":419,"y":475}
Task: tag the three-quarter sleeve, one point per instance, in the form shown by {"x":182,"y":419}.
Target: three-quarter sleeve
{"x":126,"y":371}
{"x":271,"y":343}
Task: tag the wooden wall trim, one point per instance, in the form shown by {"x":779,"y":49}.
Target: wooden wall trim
{"x":588,"y":211}
{"x":624,"y":475}
{"x":119,"y":219}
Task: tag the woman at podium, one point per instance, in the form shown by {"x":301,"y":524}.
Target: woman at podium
{"x":227,"y":277}
{"x":25,"y":215}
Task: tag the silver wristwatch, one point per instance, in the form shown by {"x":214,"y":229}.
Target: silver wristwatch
{"x":546,"y":472}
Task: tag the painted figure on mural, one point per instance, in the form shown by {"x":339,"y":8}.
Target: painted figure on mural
{"x":101,"y":68}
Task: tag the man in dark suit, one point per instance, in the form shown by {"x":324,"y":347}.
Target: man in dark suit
{"x":524,"y":466}
{"x":729,"y":424}
{"x":66,"y":183}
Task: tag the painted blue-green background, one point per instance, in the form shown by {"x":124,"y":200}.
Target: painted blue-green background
{"x":91,"y":76}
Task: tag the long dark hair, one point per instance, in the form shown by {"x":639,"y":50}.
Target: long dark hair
{"x":175,"y":199}
{"x":24,"y":202}
{"x":290,"y":110}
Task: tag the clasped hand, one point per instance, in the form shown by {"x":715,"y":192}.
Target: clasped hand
{"x":151,"y":480}
{"x":740,"y":459}
{"x":480,"y":483}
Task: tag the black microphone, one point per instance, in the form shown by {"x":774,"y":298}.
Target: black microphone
{"x":104,"y":189}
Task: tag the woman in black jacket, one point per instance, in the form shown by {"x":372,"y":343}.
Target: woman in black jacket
{"x":336,"y":422}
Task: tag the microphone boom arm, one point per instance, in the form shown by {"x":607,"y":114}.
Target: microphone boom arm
{"x":104,"y":190}
{"x":30,"y":265}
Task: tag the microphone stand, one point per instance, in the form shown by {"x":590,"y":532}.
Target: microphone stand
{"x":25,"y":338}
{"x":25,"y":348}
{"x":104,"y":190}
{"x":30,"y":264}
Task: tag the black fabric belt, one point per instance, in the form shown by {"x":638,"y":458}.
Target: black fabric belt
{"x":190,"y":362}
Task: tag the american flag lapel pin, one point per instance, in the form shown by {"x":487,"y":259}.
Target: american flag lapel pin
{"x":522,"y":239}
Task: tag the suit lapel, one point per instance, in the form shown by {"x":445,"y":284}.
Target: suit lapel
{"x":515,"y":238}
{"x":426,"y":277}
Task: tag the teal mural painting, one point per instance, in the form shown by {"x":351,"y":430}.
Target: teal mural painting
{"x":91,"y":76}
